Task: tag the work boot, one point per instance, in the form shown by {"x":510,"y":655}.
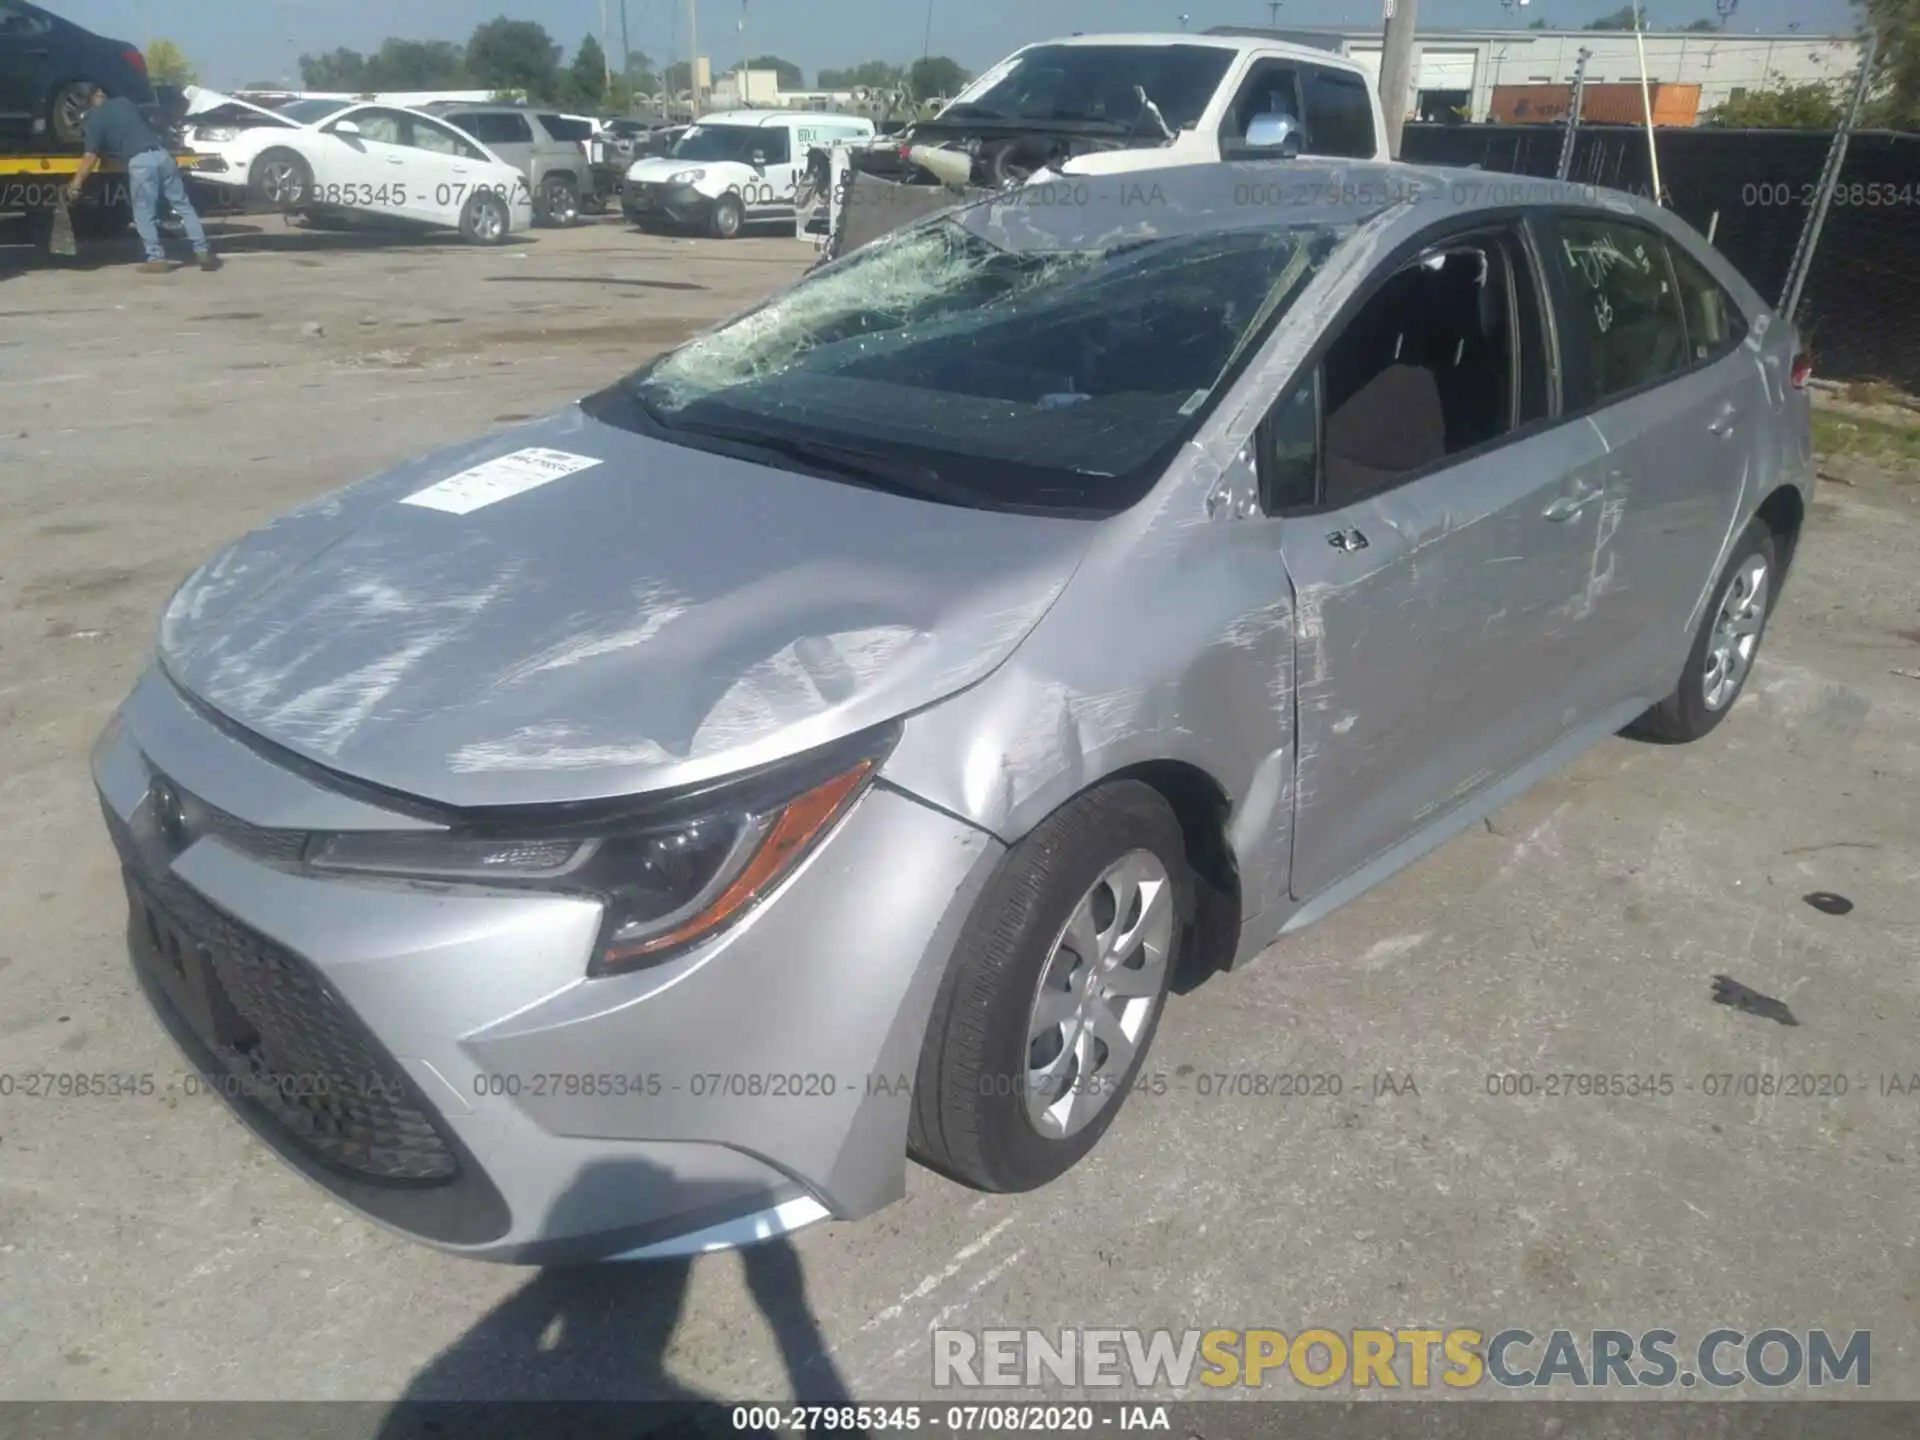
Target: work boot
{"x":154,"y":267}
{"x":209,"y":261}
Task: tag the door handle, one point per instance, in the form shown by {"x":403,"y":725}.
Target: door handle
{"x":1347,"y":541}
{"x":1569,"y":507}
{"x":1722,"y":424}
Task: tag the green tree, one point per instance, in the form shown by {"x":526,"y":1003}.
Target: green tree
{"x":515,"y":55}
{"x":416,"y":65}
{"x":1621,"y":19}
{"x":340,"y":69}
{"x":935,"y":76}
{"x":677,"y":79}
{"x":584,"y":86}
{"x":1812,"y":106}
{"x":167,"y":64}
{"x":792,"y":77}
{"x":870,"y":74}
{"x":1701,"y":26}
{"x":1896,"y":94}
{"x":640,"y":74}
{"x":1539,"y":24}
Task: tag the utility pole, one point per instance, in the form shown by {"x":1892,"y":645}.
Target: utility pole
{"x":1273,"y":14}
{"x":1396,"y":68}
{"x":693,"y":60}
{"x":626,"y":55}
{"x":1579,"y":99}
{"x":606,"y":54}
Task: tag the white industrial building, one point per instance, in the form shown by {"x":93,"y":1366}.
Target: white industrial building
{"x":1458,"y":69}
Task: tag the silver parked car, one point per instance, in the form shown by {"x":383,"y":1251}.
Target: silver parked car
{"x":639,"y":831}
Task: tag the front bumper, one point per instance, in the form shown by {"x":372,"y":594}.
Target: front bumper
{"x":437,"y":1058}
{"x":677,"y":204}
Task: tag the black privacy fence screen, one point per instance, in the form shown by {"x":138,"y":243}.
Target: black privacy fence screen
{"x":1755,"y":190}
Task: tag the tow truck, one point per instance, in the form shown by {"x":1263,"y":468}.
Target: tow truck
{"x":32,"y":184}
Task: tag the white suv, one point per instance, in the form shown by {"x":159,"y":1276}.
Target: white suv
{"x":732,"y":168}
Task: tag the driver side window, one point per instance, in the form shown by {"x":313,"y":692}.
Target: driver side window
{"x":378,"y":127}
{"x":774,"y":143}
{"x":1271,"y":88}
{"x":1445,"y":356}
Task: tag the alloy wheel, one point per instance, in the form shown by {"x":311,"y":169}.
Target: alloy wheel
{"x":1097,"y":993}
{"x":1736,"y":634}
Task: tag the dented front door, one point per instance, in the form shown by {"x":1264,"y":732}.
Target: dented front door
{"x":1440,"y":641}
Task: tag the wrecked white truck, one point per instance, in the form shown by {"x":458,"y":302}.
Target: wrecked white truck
{"x":1096,"y":105}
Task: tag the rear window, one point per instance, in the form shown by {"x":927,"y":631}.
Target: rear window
{"x":561,"y":128}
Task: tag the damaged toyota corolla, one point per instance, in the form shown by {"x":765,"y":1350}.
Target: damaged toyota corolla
{"x":638,"y":832}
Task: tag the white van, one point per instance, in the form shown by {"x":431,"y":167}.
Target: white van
{"x":732,"y":169}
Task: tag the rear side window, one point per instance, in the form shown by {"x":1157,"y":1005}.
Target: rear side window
{"x":495,"y":127}
{"x":561,"y":128}
{"x":1620,"y":321}
{"x":1714,"y":322}
{"x":1339,"y":113}
{"x":18,"y":24}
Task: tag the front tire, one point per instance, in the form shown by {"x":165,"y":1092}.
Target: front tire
{"x":728,"y":216}
{"x":281,"y":178}
{"x":485,"y":220}
{"x":1053,"y":993}
{"x":1724,"y":650}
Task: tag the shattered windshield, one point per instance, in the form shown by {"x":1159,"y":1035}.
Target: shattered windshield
{"x":719,"y":142}
{"x":1051,"y":379}
{"x":1099,"y":82}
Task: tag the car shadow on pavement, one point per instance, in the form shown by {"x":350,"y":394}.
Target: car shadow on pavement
{"x":602,"y":1332}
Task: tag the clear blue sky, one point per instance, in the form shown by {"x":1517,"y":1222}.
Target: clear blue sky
{"x":233,"y":41}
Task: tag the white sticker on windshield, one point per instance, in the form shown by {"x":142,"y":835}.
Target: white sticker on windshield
{"x":498,"y":479}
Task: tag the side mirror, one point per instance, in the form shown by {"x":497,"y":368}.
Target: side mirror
{"x":347,"y":130}
{"x":1280,"y":134}
{"x":759,"y":158}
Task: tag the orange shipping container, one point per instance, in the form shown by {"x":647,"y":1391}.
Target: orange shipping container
{"x":1599,"y":104}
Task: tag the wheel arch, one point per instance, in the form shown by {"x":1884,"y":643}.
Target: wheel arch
{"x":1783,"y":512}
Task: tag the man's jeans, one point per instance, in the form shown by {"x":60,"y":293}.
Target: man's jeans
{"x":149,"y":177}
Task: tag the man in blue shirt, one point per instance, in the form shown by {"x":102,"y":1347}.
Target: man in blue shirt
{"x":116,"y":130}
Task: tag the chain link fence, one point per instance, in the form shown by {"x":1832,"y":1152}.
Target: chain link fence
{"x":1754,"y":190}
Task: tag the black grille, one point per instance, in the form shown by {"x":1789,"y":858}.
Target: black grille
{"x":281,"y":1038}
{"x":278,"y":846}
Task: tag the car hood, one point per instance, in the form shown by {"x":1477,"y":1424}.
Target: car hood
{"x":658,"y":169}
{"x":593,"y":612}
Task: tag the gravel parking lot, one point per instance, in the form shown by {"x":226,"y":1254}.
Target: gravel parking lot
{"x":149,"y":1248}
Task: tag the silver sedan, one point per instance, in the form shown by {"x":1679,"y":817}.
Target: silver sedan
{"x":639,"y":832}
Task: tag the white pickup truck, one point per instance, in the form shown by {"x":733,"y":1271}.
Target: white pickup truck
{"x":1102,"y":105}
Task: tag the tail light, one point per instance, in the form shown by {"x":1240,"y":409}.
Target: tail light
{"x":135,"y":59}
{"x":1802,"y":370}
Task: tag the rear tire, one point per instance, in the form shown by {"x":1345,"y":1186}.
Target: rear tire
{"x":1725,"y":647}
{"x":67,"y":111}
{"x":281,"y":178}
{"x":1018,"y":1040}
{"x":559,"y":202}
{"x":728,"y":216}
{"x":485,"y":221}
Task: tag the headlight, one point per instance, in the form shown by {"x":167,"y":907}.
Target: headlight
{"x":216,"y":134}
{"x":667,"y":881}
{"x":686,"y":177}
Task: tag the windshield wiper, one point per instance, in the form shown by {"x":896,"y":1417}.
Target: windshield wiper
{"x":876,"y":469}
